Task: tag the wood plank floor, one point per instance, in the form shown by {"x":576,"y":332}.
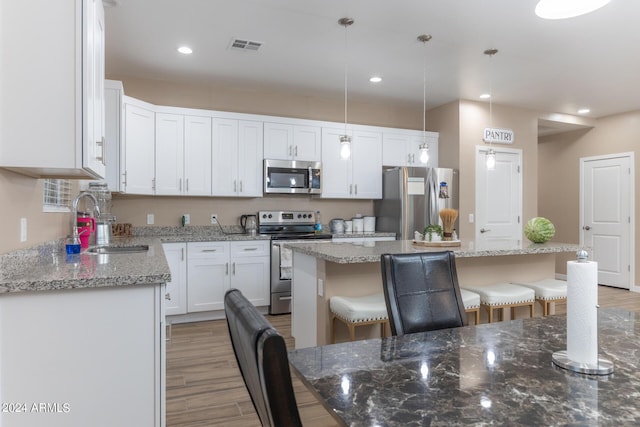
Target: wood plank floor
{"x":204,"y":386}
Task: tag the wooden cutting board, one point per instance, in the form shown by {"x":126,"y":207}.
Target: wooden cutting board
{"x":440,"y":244}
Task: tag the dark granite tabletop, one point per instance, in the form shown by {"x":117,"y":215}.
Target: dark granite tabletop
{"x":490,"y":374}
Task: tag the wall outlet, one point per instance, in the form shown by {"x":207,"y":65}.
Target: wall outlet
{"x":150,"y":219}
{"x":320,"y":287}
{"x":23,"y":229}
{"x":186,"y":219}
{"x":214,"y":218}
{"x":471,"y":219}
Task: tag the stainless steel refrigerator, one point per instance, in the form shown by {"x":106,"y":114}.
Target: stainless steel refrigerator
{"x":412,"y":198}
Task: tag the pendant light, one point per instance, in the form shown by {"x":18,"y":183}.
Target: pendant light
{"x":491,"y":154}
{"x":424,"y":147}
{"x":345,"y":140}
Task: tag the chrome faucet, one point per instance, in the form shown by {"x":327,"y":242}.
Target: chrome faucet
{"x":74,"y":220}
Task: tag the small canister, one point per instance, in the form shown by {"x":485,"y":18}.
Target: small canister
{"x":348,"y":226}
{"x":369,"y":224}
{"x":358,"y":224}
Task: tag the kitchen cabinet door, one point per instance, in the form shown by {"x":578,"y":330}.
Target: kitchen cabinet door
{"x":197,"y":156}
{"x":225,"y":157}
{"x":366,"y":164}
{"x":250,"y":270}
{"x":403,"y":149}
{"x":176,"y":292}
{"x":169,"y":154}
{"x":292,"y":142}
{"x":208,"y":275}
{"x":360,"y":176}
{"x":336,"y":171}
{"x":52,"y":103}
{"x":250,"y":156}
{"x":139,"y":143}
{"x":114,"y":138}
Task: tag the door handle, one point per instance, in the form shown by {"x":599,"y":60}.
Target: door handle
{"x":484,"y":230}
{"x":586,"y":227}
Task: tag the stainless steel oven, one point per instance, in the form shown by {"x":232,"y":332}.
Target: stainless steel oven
{"x":291,"y":177}
{"x":285,"y":227}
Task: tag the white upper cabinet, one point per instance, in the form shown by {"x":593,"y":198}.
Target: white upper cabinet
{"x":403,"y":149}
{"x":139,"y":147}
{"x":292,"y":142}
{"x":169,"y":158}
{"x":114,"y":128}
{"x":360,"y":176}
{"x":197,"y":156}
{"x":52,"y":103}
{"x":237,"y":158}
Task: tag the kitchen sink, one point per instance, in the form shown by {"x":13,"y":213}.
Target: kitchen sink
{"x":117,"y":249}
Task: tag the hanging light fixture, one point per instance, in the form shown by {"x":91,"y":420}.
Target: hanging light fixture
{"x":424,"y":147}
{"x":345,"y":140}
{"x":491,"y":154}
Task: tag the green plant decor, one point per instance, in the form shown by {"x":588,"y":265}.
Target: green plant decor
{"x":431,"y":230}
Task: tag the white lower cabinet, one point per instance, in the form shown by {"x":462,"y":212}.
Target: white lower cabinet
{"x":215,"y":267}
{"x":94,"y":357}
{"x":176,"y":294}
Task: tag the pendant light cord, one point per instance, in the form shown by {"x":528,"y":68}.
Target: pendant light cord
{"x":346,"y":75}
{"x":424,"y":95}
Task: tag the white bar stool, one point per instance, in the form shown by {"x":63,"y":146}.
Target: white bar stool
{"x":471,"y":302}
{"x":547,"y":291}
{"x":503,"y":295}
{"x":358,"y":311}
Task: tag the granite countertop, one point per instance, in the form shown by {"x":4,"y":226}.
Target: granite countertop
{"x":366,"y":252}
{"x":47,"y":267}
{"x":491,"y":374}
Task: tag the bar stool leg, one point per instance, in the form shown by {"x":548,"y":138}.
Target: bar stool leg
{"x":352,"y":331}
{"x":332,"y":326}
{"x":477,"y":313}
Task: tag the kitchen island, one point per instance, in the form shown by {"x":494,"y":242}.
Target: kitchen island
{"x":82,"y":337}
{"x":322,"y":270}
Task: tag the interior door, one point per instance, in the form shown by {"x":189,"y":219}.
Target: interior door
{"x":498,"y":198}
{"x":606,"y":217}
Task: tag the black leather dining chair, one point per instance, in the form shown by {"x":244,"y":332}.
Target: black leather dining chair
{"x":262,"y":358}
{"x":421,"y":292}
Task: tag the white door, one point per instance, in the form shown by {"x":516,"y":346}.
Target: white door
{"x":224,"y":171}
{"x":606,"y":216}
{"x":366,"y":165}
{"x":197,"y":156}
{"x":250,"y":149}
{"x":169,"y":154}
{"x":498,"y":198}
{"x":139,"y":137}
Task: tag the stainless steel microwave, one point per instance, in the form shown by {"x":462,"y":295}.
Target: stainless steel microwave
{"x":291,"y":177}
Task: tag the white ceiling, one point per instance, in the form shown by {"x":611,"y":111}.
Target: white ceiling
{"x":553,"y":66}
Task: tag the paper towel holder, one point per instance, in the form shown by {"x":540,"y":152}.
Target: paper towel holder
{"x":561,"y":359}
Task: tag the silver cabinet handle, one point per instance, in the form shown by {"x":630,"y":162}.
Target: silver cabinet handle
{"x":170,"y":334}
{"x":235,"y":186}
{"x":350,"y":188}
{"x":296,"y":152}
{"x":484,"y":230}
{"x":234,"y":269}
{"x":250,"y":249}
{"x":209,"y":250}
{"x":187,"y":185}
{"x":226,"y":269}
{"x":290,"y":150}
{"x":586,"y":227}
{"x":285,"y":298}
{"x":181,"y":254}
{"x":356,"y":189}
{"x":241,"y":186}
{"x":180,"y":185}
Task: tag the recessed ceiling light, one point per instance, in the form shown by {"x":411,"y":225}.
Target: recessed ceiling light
{"x":185,"y":50}
{"x":485,"y":96}
{"x":584,"y":111}
{"x":375,"y":79}
{"x":563,"y":9}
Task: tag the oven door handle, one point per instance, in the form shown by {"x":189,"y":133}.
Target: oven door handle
{"x":285,"y":298}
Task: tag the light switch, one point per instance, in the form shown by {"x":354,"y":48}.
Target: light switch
{"x":471,"y":219}
{"x":23,"y":229}
{"x":320,"y":287}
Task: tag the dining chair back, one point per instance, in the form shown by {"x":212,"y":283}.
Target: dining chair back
{"x":262,"y":359}
{"x":421,"y":292}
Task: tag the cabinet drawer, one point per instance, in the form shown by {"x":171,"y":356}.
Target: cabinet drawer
{"x":249,"y":248}
{"x":198,"y":250}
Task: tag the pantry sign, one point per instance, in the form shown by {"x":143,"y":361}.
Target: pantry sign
{"x":498,"y":136}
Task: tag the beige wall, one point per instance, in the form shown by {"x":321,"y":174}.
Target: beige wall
{"x":21,"y":197}
{"x":559,"y":172}
{"x":461,"y":125}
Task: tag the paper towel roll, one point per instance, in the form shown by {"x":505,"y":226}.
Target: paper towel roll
{"x":582,"y":314}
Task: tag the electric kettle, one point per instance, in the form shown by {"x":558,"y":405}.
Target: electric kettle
{"x":249,"y":223}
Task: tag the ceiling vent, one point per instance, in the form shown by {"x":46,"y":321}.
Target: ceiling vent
{"x":245,"y":45}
